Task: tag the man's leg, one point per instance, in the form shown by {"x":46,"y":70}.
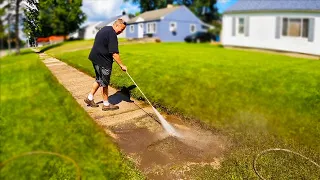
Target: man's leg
{"x":89,"y":100}
{"x":94,"y":89}
{"x":104,"y":91}
{"x":106,"y":79}
{"x":106,"y":105}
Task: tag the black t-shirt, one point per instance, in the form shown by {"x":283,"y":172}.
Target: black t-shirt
{"x":105,"y":44}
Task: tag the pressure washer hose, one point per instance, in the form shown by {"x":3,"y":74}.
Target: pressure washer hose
{"x":277,"y":149}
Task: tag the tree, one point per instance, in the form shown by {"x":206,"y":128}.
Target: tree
{"x":6,"y":13}
{"x":60,"y":17}
{"x":147,"y":5}
{"x":53,"y":17}
{"x":13,"y":11}
{"x":205,"y":10}
{"x":16,"y":25}
{"x":31,"y":23}
{"x":2,"y":28}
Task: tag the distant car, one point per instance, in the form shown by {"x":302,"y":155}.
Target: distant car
{"x":199,"y":37}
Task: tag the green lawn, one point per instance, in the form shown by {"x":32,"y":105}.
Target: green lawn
{"x":75,"y":45}
{"x":258,"y":100}
{"x":38,"y":114}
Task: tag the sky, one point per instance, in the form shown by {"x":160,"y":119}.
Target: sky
{"x":101,"y":10}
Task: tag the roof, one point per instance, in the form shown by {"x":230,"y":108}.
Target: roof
{"x":105,"y":23}
{"x":274,"y":5}
{"x":154,"y":15}
{"x":91,"y":24}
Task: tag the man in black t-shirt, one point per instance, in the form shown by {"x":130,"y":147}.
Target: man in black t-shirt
{"x":104,"y":51}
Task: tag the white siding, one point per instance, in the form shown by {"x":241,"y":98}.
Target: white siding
{"x":90,"y":32}
{"x":262,"y":33}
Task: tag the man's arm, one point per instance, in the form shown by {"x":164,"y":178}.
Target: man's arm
{"x":116,"y":57}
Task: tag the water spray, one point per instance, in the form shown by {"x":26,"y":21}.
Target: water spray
{"x":163,"y":121}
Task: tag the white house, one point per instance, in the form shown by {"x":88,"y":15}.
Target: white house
{"x":89,"y":31}
{"x":284,"y":25}
{"x":112,"y":20}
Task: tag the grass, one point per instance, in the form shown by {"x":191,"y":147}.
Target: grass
{"x":38,"y":114}
{"x":258,"y":100}
{"x":75,"y":45}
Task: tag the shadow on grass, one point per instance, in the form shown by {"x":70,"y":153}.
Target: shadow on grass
{"x":50,"y":47}
{"x":119,"y":96}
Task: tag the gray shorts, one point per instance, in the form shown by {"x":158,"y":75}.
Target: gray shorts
{"x":102,"y":75}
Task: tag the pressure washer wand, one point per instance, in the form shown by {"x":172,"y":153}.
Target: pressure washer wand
{"x":135,"y":84}
{"x":138,"y":88}
{"x":163,"y":121}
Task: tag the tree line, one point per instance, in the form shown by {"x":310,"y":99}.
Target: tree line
{"x":39,"y":18}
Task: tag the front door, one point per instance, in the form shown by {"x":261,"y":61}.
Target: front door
{"x":140,"y":30}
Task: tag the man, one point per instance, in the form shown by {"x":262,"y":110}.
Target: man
{"x":104,"y":51}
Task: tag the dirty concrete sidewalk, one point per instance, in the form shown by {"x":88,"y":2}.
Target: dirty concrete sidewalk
{"x":139,"y":136}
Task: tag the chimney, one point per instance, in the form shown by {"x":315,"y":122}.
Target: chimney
{"x":169,"y":6}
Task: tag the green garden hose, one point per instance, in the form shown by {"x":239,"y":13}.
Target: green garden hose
{"x":277,"y":149}
{"x":78,"y":173}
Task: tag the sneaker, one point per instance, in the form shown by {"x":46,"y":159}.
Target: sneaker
{"x":91,"y":103}
{"x":111,"y":107}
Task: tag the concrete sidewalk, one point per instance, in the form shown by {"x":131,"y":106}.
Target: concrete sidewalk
{"x":139,"y":136}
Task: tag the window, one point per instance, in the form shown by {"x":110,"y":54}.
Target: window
{"x":295,"y":27}
{"x":193,"y":28}
{"x":172,"y":26}
{"x":284,"y":26}
{"x":131,"y":28}
{"x":241,"y":26}
{"x":151,"y":28}
{"x":305,"y":28}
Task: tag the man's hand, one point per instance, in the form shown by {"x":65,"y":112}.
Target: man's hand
{"x":123,"y":67}
{"x":116,"y":57}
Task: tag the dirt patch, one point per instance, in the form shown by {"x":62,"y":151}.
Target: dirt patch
{"x":161,"y":156}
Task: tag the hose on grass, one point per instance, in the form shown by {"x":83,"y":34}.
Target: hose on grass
{"x":277,"y":149}
{"x":78,"y":172}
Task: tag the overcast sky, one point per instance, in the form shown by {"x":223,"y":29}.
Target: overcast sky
{"x":101,"y":10}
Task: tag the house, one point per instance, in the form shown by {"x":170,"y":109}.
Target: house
{"x":173,"y":23}
{"x":110,"y":22}
{"x":283,"y":25}
{"x":89,"y":31}
{"x":86,"y":32}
